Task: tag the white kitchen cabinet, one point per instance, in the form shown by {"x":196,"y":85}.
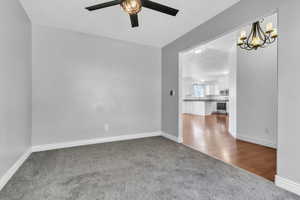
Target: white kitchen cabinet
{"x":199,"y":107}
{"x":194,"y":107}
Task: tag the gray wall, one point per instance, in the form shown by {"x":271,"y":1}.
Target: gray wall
{"x":257,"y":94}
{"x":87,"y":87}
{"x":288,"y":71}
{"x":15,"y":83}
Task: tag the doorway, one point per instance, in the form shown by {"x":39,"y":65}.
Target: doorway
{"x":228,"y":102}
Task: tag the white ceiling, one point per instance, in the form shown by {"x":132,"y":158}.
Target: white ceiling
{"x":210,"y":61}
{"x":156,"y":29}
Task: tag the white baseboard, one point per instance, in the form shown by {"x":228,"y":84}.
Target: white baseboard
{"x":233,"y":134}
{"x":257,"y":141}
{"x":4,"y":180}
{"x":171,"y":137}
{"x":288,"y":184}
{"x":7,"y":176}
{"x":48,"y":147}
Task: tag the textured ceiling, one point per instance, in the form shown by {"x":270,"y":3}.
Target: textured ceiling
{"x":156,"y":29}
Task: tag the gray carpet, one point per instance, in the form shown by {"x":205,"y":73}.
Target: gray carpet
{"x":145,"y":169}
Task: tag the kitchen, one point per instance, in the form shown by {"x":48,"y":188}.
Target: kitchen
{"x":208,"y":80}
{"x":206,"y":98}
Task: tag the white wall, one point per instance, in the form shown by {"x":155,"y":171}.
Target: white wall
{"x":15,"y":83}
{"x":87,"y":87}
{"x":222,"y":83}
{"x":257,"y":94}
{"x":244,"y":12}
{"x":232,"y":104}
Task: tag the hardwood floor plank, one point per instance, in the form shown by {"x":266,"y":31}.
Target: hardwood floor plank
{"x":209,"y":134}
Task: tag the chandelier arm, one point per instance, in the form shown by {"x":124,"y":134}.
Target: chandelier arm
{"x":262,"y":37}
{"x":250,"y":36}
{"x":243,"y":46}
{"x":268,"y":38}
{"x":255,"y":29}
{"x":262,"y":34}
{"x":247,"y":47}
{"x":271,"y":39}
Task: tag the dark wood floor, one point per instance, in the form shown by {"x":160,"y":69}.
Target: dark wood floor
{"x":209,"y":134}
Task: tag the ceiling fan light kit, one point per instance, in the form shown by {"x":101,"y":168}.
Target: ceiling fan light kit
{"x":133,"y":7}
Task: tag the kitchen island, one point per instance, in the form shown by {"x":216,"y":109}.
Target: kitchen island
{"x":203,"y":105}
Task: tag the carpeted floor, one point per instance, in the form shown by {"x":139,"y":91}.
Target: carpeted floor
{"x":145,"y":169}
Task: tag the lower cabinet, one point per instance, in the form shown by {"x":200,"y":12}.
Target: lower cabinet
{"x":199,"y":107}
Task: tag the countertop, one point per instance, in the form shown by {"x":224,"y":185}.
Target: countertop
{"x":208,"y":99}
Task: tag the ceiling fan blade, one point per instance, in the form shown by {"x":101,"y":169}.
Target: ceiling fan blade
{"x":160,"y":8}
{"x":103,"y":5}
{"x":134,"y":20}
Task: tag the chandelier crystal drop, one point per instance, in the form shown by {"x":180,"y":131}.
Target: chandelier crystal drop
{"x":258,"y":38}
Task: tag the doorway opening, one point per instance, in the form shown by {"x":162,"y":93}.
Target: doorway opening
{"x":228,"y":102}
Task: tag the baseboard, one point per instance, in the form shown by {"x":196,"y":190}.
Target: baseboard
{"x":171,"y":137}
{"x":287,"y":184}
{"x":48,"y":147}
{"x":256,"y":141}
{"x":233,"y":134}
{"x":7,"y":176}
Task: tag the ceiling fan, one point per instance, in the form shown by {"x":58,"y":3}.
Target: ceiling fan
{"x":133,"y":7}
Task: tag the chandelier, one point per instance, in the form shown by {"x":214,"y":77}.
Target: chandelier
{"x":258,"y":38}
